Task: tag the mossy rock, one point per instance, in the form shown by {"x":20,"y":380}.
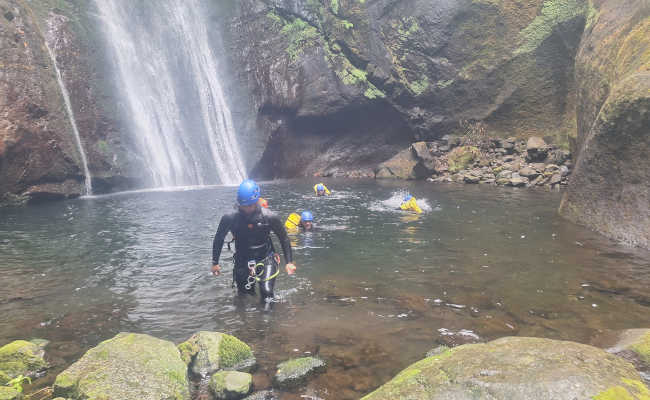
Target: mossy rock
{"x":517,"y":368}
{"x":231,"y":385}
{"x":208,"y":352}
{"x":297,"y":371}
{"x":462,"y":157}
{"x":21,"y":357}
{"x":129,"y":366}
{"x":7,"y":393}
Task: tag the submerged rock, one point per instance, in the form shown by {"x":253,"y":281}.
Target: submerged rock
{"x":21,"y":357}
{"x":208,"y":352}
{"x":129,"y":366}
{"x":231,"y":385}
{"x":296,"y":371}
{"x":517,"y":368}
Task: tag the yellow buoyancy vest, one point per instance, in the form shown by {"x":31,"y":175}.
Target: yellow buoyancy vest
{"x":411,"y":205}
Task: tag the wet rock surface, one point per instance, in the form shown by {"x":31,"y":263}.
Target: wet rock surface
{"x":517,"y":367}
{"x":128,"y":366}
{"x":208,"y":352}
{"x":297,"y":371}
{"x":231,"y":385}
{"x":21,"y":357}
{"x":610,"y":190}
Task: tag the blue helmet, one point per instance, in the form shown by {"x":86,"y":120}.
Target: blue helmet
{"x":320,"y":187}
{"x":306,"y":216}
{"x":248,"y":193}
{"x":407,"y":197}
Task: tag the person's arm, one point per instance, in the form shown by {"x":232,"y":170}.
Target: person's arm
{"x":278,"y":228}
{"x":217,"y":243}
{"x":327,"y":191}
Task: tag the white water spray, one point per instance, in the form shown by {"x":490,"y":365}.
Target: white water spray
{"x":168,"y":74}
{"x":68,"y":106}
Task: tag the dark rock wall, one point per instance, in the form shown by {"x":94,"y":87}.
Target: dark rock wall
{"x":38,"y":154}
{"x":408,"y":70}
{"x":610,"y":187}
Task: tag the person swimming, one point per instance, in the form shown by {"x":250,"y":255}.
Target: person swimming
{"x":409,"y":203}
{"x":321,"y":190}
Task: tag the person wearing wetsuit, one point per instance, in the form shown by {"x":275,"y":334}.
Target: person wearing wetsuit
{"x":255,"y":258}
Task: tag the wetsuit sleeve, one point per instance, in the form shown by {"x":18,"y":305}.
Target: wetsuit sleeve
{"x":278,"y":228}
{"x":222,"y":231}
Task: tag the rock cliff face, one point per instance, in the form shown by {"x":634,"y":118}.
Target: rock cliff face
{"x":38,"y":155}
{"x":610,"y":187}
{"x":349,"y":82}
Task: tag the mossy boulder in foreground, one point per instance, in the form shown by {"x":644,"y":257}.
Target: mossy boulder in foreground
{"x":208,"y":352}
{"x":231,"y":385}
{"x":127,"y":367}
{"x":295,"y":372}
{"x":7,"y":393}
{"x":517,"y":368}
{"x":21,"y":357}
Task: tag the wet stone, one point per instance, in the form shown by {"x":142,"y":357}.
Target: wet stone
{"x":263,"y":395}
{"x":231,"y":385}
{"x":297,"y":371}
{"x":21,"y":357}
{"x":7,"y":393}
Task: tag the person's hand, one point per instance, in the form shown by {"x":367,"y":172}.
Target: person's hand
{"x":216,"y":269}
{"x":291,"y":268}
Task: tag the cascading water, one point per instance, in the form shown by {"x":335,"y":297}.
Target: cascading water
{"x":169,"y":76}
{"x":68,"y":106}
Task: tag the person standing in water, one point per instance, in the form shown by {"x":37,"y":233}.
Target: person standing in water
{"x":255,"y":258}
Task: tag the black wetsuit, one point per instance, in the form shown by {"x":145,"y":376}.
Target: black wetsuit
{"x":253,"y":242}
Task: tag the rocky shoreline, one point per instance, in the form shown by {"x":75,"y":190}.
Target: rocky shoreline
{"x":494,"y":161}
{"x":139,"y":366}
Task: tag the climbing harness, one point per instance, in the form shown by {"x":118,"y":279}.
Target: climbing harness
{"x":255,"y":276}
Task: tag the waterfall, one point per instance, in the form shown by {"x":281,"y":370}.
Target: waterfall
{"x":168,"y":75}
{"x":68,"y":106}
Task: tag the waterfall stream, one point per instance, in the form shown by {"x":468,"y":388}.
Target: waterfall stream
{"x":68,"y":106}
{"x":168,"y":74}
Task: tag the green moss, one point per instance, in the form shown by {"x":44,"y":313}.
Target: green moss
{"x":352,"y":76}
{"x":461,"y":157}
{"x":346,"y":24}
{"x":300,"y":35}
{"x":21,"y":357}
{"x":7,"y":393}
{"x":407,"y":27}
{"x":276,"y":20}
{"x":629,"y":390}
{"x":233,"y":351}
{"x":419,"y":87}
{"x":188,"y":350}
{"x":553,"y":13}
{"x":592,"y":14}
{"x":373,"y":93}
{"x":65,"y":385}
{"x":334,"y":5}
{"x":642,"y":348}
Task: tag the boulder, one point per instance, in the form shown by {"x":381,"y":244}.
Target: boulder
{"x":536,"y":149}
{"x":398,"y":167}
{"x":208,"y":352}
{"x":129,"y":366}
{"x":517,"y":181}
{"x":555,"y":179}
{"x":462,"y":157}
{"x":471,"y":178}
{"x":528,"y":172}
{"x":8,"y":393}
{"x":297,"y":371}
{"x":231,"y":385}
{"x":517,"y":368}
{"x":21,"y":357}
